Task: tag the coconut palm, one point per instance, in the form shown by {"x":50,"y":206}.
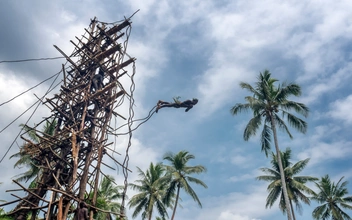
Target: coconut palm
{"x":151,"y":192}
{"x":180,"y":177}
{"x":107,"y":197}
{"x":266,"y":102}
{"x":295,"y":184}
{"x":333,"y":198}
{"x":26,"y":160}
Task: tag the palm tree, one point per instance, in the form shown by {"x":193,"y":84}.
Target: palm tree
{"x":152,"y":191}
{"x":26,"y":159}
{"x":267,"y":100}
{"x":179,"y":174}
{"x":295,"y":184}
{"x":107,"y":195}
{"x":332,"y":197}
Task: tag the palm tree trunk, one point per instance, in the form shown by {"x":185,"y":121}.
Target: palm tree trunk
{"x":293,"y":213}
{"x":177,"y":195}
{"x":150,"y":214}
{"x":282,"y":174}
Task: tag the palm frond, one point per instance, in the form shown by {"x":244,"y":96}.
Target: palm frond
{"x":331,"y":196}
{"x":248,"y":87}
{"x":266,"y":139}
{"x":299,"y":124}
{"x":252,"y":127}
{"x":266,"y":178}
{"x":196,"y":181}
{"x":295,"y":185}
{"x":282,"y":125}
{"x":189,"y":190}
{"x":239,"y":108}
{"x":299,"y":108}
{"x":299,"y":166}
{"x":274,"y":173}
{"x":153,"y":191}
{"x":274,"y":193}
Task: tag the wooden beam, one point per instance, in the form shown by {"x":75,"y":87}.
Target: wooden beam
{"x":30,"y":191}
{"x":117,"y":28}
{"x":9,"y":203}
{"x":67,"y":58}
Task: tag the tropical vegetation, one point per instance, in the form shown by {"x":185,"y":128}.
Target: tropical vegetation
{"x":107,"y":196}
{"x":160,"y":186}
{"x":180,"y":174}
{"x":296,"y":185}
{"x":25,"y":160}
{"x":333,"y":199}
{"x":266,"y":101}
{"x":151,"y":192}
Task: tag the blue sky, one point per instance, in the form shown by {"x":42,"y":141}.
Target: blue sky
{"x":201,"y":49}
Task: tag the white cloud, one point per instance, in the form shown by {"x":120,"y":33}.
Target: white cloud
{"x":319,"y":150}
{"x":239,"y":36}
{"x":247,"y":176}
{"x":242,"y":177}
{"x":218,"y":84}
{"x":249,"y":204}
{"x":326,"y":85}
{"x":239,"y":159}
{"x":341,"y":109}
{"x":231,"y":216}
{"x":10,"y":86}
{"x":139,"y":154}
{"x":286,"y":31}
{"x":303,"y":41}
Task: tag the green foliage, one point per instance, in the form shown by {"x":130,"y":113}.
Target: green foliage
{"x":107,"y":197}
{"x":266,"y":102}
{"x":151,"y":188}
{"x":158,"y":185}
{"x":333,"y":199}
{"x":5,"y":217}
{"x":25,"y":160}
{"x":295,"y":184}
{"x":179,"y":177}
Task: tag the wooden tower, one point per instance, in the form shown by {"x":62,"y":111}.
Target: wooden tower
{"x":90,"y":97}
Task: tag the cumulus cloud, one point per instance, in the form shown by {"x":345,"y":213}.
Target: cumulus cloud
{"x":231,"y":216}
{"x":291,"y":31}
{"x":249,"y":204}
{"x":318,"y":146}
{"x":318,"y":152}
{"x":223,"y":43}
{"x":340,"y":109}
{"x":249,"y":175}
